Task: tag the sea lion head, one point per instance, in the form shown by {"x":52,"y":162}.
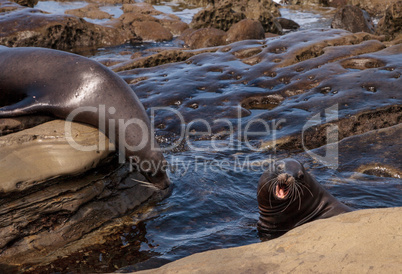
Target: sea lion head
{"x":153,"y":166}
{"x":157,"y":174}
{"x":288,"y":196}
{"x":284,"y":186}
{"x":283,"y":181}
{"x":285,"y":192}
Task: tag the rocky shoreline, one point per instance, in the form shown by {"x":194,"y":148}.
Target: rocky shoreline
{"x":221,"y":23}
{"x":224,"y":51}
{"x":360,"y":241}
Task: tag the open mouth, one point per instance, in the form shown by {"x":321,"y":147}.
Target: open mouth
{"x":281,"y":190}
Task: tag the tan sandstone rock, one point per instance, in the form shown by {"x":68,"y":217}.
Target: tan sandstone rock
{"x":37,"y":154}
{"x":358,"y":242}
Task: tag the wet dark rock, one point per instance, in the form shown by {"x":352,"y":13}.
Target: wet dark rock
{"x":223,"y":15}
{"x":379,"y":147}
{"x":245,"y":30}
{"x":391,"y":24}
{"x":288,"y":24}
{"x":292,"y":75}
{"x":155,"y":59}
{"x":32,"y":27}
{"x":353,"y":19}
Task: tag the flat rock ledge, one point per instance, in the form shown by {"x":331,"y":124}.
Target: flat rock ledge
{"x":363,"y":241}
{"x":58,"y":196}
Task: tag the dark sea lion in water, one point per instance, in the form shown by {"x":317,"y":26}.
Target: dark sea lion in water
{"x":38,"y":81}
{"x":288,"y":196}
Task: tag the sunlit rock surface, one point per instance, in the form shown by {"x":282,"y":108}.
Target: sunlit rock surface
{"x":26,"y":160}
{"x":391,"y":24}
{"x":223,"y":14}
{"x":356,"y":242}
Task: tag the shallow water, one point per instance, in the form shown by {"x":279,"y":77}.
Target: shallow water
{"x":185,"y":12}
{"x":213,"y":207}
{"x":309,"y":19}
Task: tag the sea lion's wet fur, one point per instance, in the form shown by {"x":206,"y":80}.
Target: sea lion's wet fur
{"x":37,"y":81}
{"x":301,"y":198}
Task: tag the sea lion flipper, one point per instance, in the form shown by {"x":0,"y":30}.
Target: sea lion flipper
{"x":23,"y":107}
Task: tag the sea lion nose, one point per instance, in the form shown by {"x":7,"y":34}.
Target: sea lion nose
{"x":283,"y":177}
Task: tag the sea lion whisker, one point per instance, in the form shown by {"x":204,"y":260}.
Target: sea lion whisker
{"x":271,"y":189}
{"x":287,"y":206}
{"x":295,"y":191}
{"x":299,"y":193}
{"x":307,"y":189}
{"x":144,"y":183}
{"x":272,"y":185}
{"x":263,"y":186}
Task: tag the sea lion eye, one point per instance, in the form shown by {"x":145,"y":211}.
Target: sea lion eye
{"x":279,"y":166}
{"x":300,"y":176}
